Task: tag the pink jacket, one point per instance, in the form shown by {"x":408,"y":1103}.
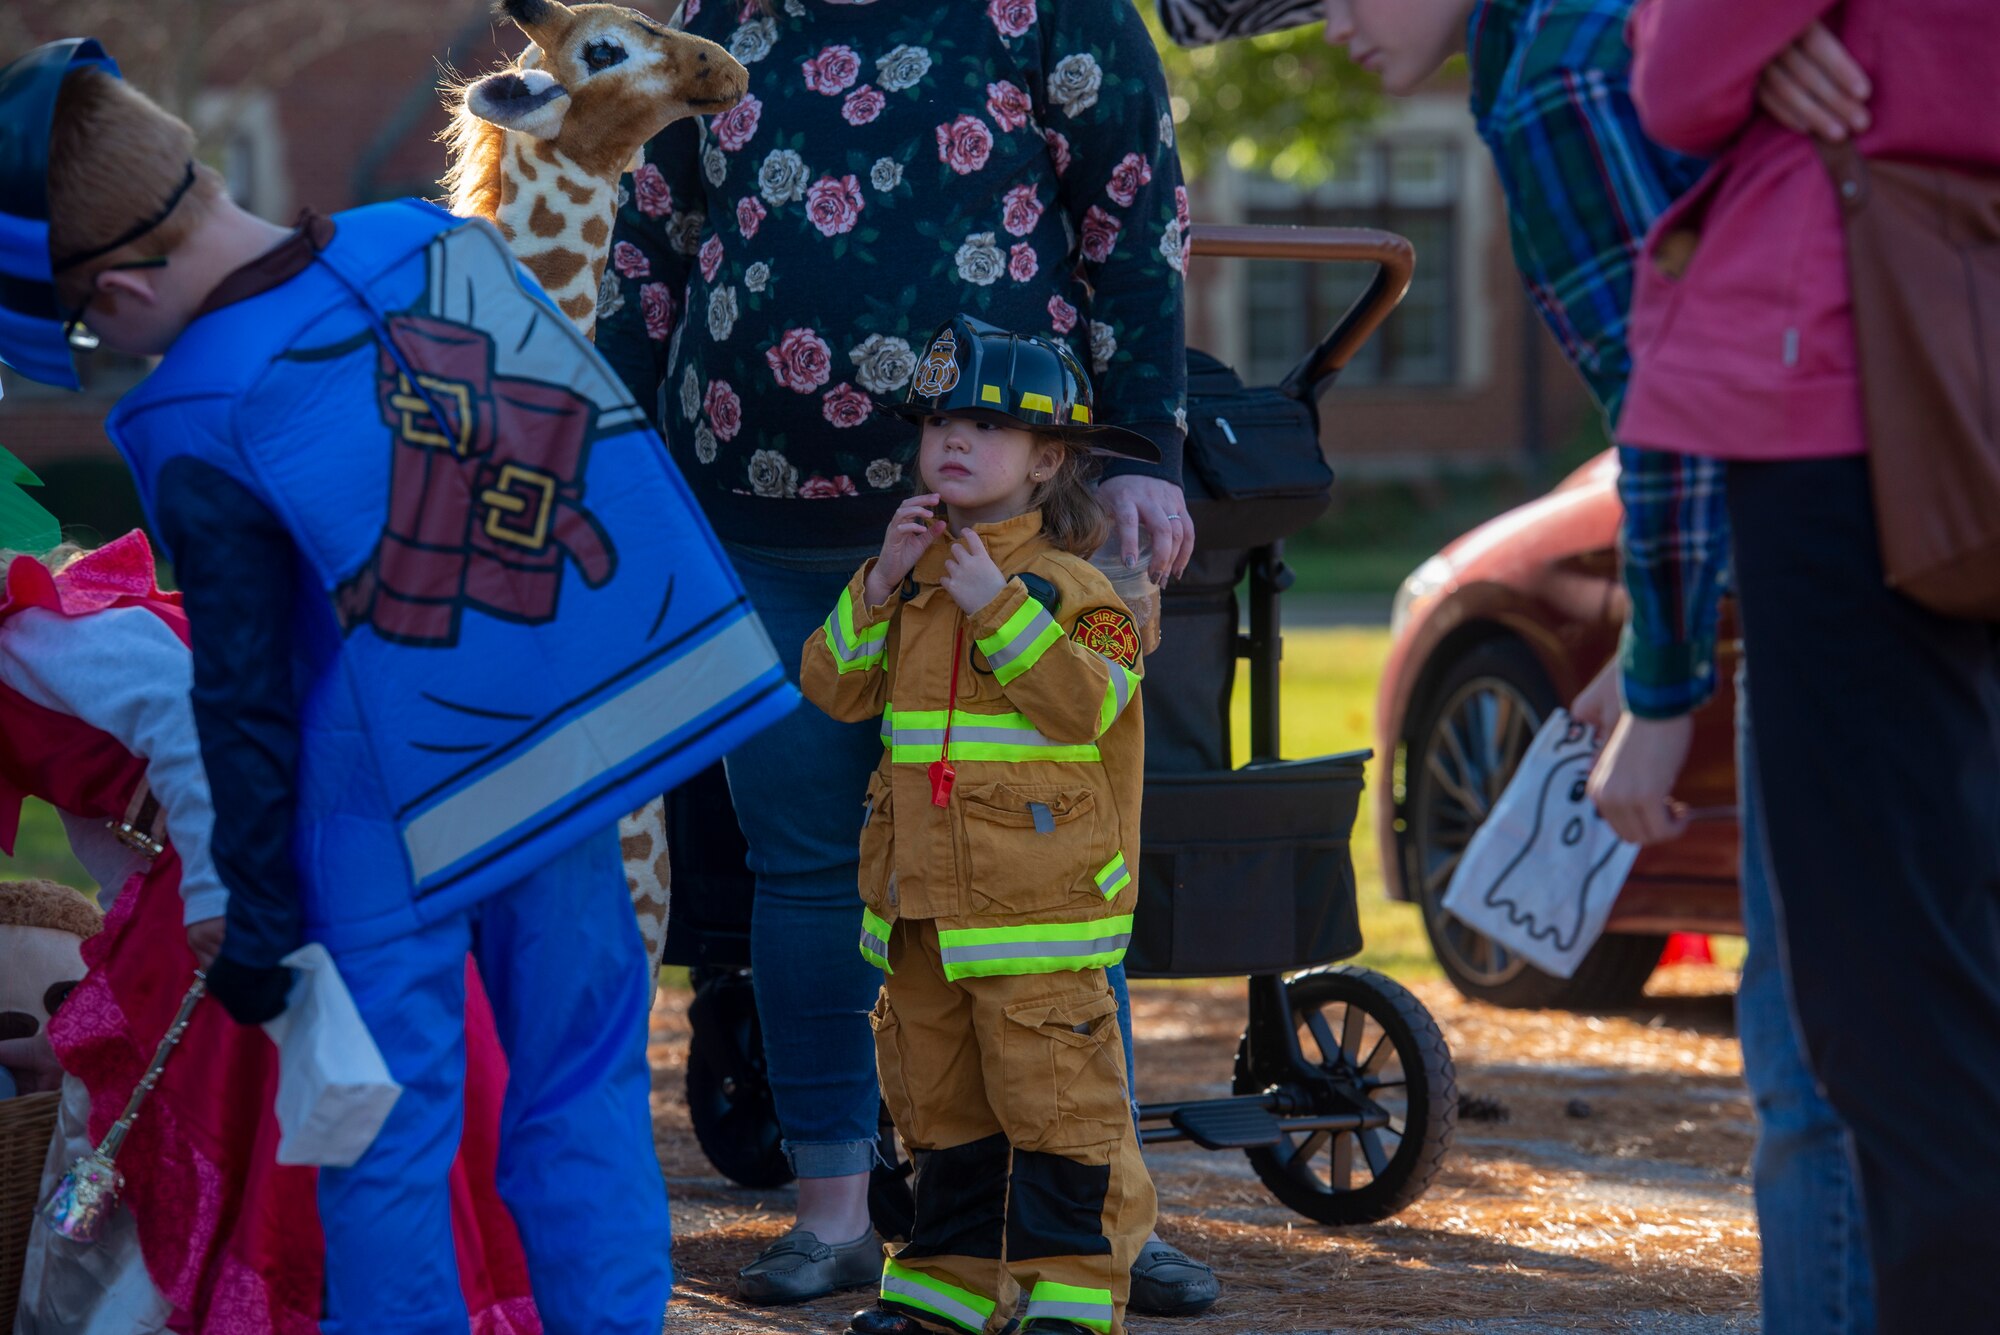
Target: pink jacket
{"x":1749,"y":353}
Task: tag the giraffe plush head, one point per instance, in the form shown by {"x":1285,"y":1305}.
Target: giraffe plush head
{"x":538,"y":147}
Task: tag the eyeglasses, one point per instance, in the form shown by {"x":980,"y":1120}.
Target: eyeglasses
{"x":74,"y":331}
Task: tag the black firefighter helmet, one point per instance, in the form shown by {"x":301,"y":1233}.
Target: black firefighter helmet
{"x":973,"y":369}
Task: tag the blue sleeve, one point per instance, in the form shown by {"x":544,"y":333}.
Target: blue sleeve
{"x":234,"y":565}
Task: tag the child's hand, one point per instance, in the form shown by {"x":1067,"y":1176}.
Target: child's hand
{"x":205,"y":939}
{"x":970,"y":576}
{"x":914,"y":528}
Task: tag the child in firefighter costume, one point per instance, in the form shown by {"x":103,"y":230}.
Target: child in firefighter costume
{"x":452,"y":614}
{"x":999,"y":845}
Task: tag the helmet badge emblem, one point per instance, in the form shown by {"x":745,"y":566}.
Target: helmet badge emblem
{"x":940,"y":369}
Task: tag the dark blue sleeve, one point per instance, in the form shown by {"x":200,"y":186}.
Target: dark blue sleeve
{"x":234,"y":563}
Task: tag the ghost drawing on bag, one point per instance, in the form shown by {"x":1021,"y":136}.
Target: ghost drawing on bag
{"x":1541,"y":874}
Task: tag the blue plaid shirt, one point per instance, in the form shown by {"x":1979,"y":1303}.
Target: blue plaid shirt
{"x":1552,"y":95}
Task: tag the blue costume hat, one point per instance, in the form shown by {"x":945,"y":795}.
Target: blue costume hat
{"x":32,"y":337}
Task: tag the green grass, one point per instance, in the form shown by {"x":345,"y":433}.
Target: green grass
{"x":42,"y":851}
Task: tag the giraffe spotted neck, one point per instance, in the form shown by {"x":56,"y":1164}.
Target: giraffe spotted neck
{"x":557,"y":217}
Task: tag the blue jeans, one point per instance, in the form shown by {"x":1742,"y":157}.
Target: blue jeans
{"x":560,"y":956}
{"x":798,"y":787}
{"x":1817,"y":1278}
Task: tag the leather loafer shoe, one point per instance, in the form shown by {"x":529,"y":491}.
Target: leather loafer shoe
{"x":798,"y":1268}
{"x":1168,"y":1282}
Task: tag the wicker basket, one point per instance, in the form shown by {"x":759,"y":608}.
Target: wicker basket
{"x":26,"y":1124}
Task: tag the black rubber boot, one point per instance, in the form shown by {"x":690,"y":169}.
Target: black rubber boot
{"x":882,"y":1321}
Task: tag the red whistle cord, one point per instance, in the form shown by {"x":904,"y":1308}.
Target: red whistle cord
{"x":942,"y":773}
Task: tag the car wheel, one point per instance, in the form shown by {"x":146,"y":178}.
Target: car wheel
{"x":1465,"y":747}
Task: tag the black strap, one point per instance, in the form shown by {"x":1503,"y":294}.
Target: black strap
{"x":133,"y":233}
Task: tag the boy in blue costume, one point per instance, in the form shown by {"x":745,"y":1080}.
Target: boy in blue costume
{"x":453,"y":614}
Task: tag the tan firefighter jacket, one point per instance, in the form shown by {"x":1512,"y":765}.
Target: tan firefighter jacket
{"x":1032,"y":866}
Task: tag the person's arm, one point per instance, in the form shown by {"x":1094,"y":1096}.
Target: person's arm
{"x":126,"y":674}
{"x":845,"y":664}
{"x":1674,"y":544}
{"x":234,"y":563}
{"x":1697,"y":63}
{"x":1103,"y":102}
{"x":1674,"y":549}
{"x":648,"y":270}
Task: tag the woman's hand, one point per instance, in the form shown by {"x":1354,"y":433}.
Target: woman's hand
{"x":1633,"y":779}
{"x":970,"y":576}
{"x":1161,"y":508}
{"x":205,"y":939}
{"x":1815,"y":87}
{"x":914,"y":527}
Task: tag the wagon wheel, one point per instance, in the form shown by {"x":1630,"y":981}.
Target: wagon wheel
{"x":1380,"y":1047}
{"x":728,"y":1093}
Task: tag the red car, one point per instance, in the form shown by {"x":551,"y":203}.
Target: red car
{"x":1487,"y":636}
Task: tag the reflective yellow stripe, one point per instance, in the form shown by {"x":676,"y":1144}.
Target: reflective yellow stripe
{"x":991,"y":394}
{"x":1080,"y":412}
{"x":985,"y":952}
{"x":1115,"y":876}
{"x":875,"y":940}
{"x":916,"y":737}
{"x":1090,"y":1308}
{"x":1020,"y":642}
{"x":1118,"y":693}
{"x":913,"y":1288}
{"x":852,"y":650}
{"x":1041,"y":402}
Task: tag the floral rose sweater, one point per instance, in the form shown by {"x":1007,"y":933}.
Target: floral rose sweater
{"x":894,"y":162}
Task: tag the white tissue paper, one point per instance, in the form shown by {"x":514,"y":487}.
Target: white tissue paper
{"x":334,"y":1090}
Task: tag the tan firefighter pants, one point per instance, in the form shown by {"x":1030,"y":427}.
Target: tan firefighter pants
{"x":1010,"y":1093}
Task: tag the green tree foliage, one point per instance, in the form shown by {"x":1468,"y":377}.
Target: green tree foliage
{"x":1282,"y":105}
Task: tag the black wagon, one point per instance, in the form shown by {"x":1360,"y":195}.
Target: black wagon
{"x":1343,"y":1094}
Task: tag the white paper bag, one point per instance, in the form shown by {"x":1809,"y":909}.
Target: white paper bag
{"x":334,"y":1090}
{"x":1540,"y":876}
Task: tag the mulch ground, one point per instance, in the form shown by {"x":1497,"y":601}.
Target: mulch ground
{"x":1614,"y":1195}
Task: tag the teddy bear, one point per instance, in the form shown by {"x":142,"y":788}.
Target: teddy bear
{"x":43,"y":926}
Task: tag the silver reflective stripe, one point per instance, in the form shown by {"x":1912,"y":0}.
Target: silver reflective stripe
{"x":1013,"y":950}
{"x":874,"y":944}
{"x":930,"y":1300}
{"x":1022,"y":642}
{"x":1117,"y":883}
{"x":846,"y":652}
{"x":589,"y":746}
{"x":961,"y":733}
{"x":1121,"y":685}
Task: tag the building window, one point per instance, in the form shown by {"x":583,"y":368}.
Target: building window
{"x":1406,"y":186}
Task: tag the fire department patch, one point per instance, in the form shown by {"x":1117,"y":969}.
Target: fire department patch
{"x":1108,"y":633}
{"x":940,"y":368}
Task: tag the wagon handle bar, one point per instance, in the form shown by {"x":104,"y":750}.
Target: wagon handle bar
{"x":1394,"y":259}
